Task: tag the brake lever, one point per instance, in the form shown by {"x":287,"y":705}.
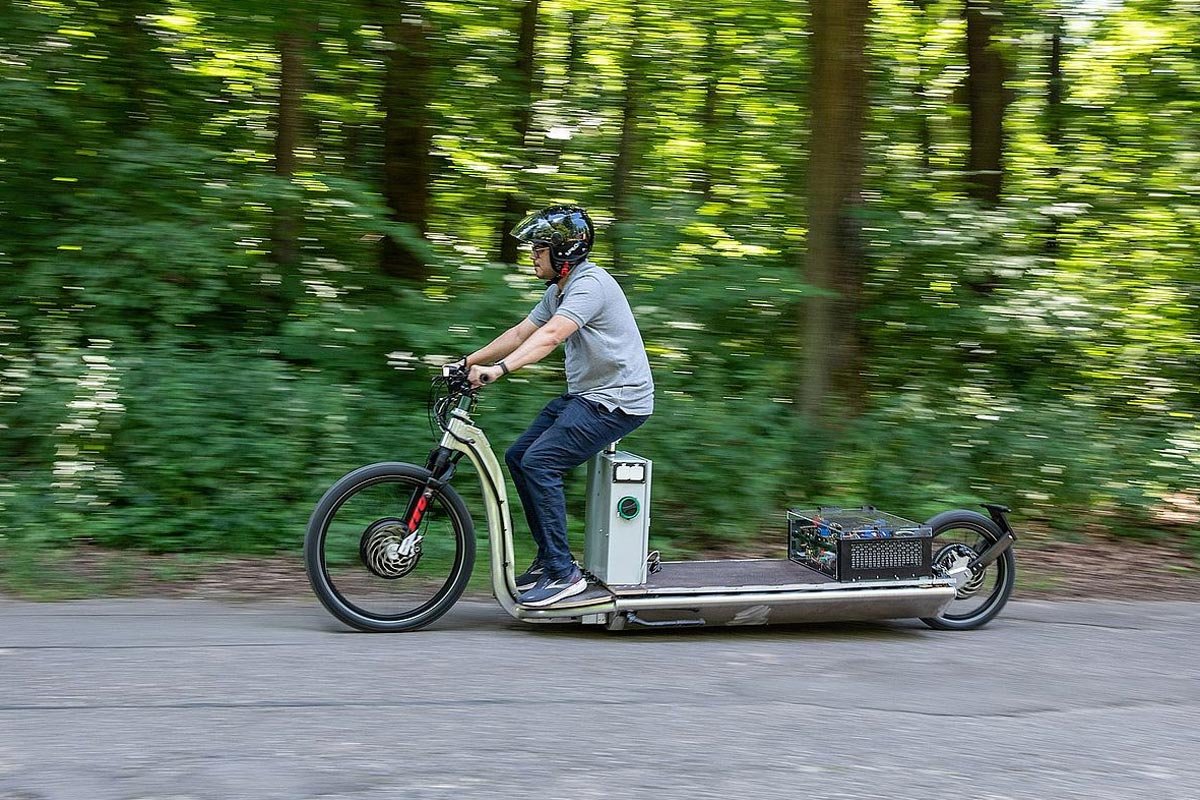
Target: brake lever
{"x":456,"y":376}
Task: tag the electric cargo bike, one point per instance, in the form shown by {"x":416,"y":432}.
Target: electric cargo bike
{"x":391,"y":546}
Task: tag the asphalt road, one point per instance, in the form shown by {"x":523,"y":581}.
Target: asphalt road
{"x":195,"y":699}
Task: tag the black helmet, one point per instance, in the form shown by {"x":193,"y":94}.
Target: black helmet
{"x":566,"y":229}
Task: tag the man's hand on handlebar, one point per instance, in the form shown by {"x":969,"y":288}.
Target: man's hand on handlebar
{"x":482,"y":376}
{"x":475,"y":376}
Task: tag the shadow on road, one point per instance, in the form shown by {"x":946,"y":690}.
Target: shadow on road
{"x":839,"y":631}
{"x":478,"y":616}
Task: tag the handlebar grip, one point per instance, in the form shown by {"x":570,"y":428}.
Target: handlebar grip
{"x":485,"y":378}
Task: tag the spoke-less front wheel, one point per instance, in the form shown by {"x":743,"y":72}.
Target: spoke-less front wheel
{"x":369,"y":569}
{"x":961,"y":535}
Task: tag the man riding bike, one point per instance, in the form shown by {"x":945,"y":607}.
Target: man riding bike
{"x":610,"y":391}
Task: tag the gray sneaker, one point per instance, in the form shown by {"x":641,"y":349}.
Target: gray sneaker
{"x":529,"y":578}
{"x":549,"y":590}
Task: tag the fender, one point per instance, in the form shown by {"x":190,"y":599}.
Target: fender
{"x":1007,"y":537}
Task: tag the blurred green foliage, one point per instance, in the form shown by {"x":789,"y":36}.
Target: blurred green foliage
{"x":165,"y":385}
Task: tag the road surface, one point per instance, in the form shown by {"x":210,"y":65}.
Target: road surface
{"x":198,"y":699}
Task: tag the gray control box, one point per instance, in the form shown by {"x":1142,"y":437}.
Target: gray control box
{"x":617,"y":527}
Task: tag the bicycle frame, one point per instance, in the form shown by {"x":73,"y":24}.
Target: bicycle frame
{"x":921,"y":597}
{"x":463,"y":436}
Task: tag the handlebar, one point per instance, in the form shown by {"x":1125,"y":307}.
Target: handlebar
{"x":451,"y":389}
{"x":457,"y":379}
{"x":453,"y":372}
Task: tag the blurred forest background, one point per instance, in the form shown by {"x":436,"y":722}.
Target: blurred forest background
{"x":918,"y":253}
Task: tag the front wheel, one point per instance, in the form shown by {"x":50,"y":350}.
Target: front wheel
{"x":368,"y":569}
{"x":966,"y":533}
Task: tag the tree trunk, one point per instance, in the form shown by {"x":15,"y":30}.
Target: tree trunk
{"x":628,"y":148}
{"x":1054,"y":122}
{"x":986,"y":99}
{"x":514,"y":207}
{"x":288,"y":122}
{"x":834,"y":262}
{"x":575,"y":53}
{"x":924,"y":134}
{"x":708,"y":121}
{"x":573,"y":102}
{"x":132,"y":66}
{"x":406,"y":133}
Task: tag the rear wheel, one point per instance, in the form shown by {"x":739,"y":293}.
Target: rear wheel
{"x":368,"y":569}
{"x":959,"y":534}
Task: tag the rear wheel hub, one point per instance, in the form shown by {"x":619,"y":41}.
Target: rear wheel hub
{"x":946,"y":558}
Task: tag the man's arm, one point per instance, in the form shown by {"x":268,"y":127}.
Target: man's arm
{"x":539,"y":344}
{"x":504,"y":344}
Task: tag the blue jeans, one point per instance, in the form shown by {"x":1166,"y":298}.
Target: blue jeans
{"x":570,"y":430}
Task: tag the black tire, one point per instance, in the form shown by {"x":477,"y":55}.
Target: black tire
{"x":997,"y":579}
{"x":394,"y":483}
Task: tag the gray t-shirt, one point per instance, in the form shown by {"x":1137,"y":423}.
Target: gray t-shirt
{"x":605,"y":359}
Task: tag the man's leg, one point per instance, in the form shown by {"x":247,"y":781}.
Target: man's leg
{"x":579,"y":432}
{"x":513,"y":456}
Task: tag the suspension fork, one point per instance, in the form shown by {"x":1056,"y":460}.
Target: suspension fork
{"x":442,"y":463}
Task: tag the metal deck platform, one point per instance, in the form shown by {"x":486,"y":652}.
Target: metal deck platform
{"x":760,"y":590}
{"x":727,"y":575}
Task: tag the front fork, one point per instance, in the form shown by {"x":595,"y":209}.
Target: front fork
{"x":441,"y":464}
